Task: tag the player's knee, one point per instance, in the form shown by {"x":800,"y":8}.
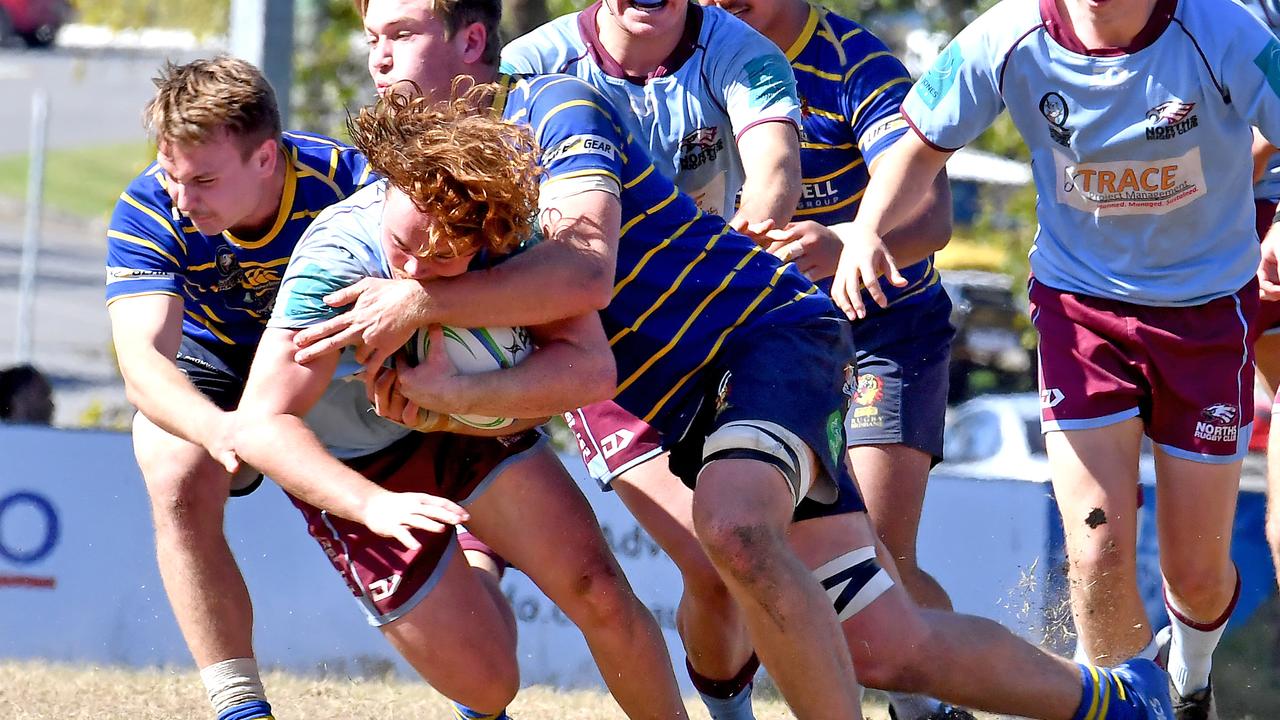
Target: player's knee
{"x":183,"y":497}
{"x":744,"y":548}
{"x":599,"y":595}
{"x":1197,"y":582}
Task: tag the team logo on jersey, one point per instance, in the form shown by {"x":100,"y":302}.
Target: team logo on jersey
{"x":1171,"y":119}
{"x":1054,"y":108}
{"x":700,"y":147}
{"x":1131,"y":187}
{"x":1050,"y":397}
{"x":1218,"y":423}
{"x":941,"y":76}
{"x":255,"y":286}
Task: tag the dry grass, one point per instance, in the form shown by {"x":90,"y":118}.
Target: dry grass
{"x":43,"y":691}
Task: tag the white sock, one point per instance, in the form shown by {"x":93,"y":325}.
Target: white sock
{"x":909,"y":706}
{"x":1192,"y":644}
{"x":737,"y":707}
{"x":232,"y":682}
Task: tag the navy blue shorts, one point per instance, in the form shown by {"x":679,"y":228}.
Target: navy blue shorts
{"x":219,"y":371}
{"x":791,"y":377}
{"x":900,"y":396}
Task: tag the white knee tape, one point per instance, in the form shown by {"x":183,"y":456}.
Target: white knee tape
{"x":853,"y":581}
{"x":781,"y":448}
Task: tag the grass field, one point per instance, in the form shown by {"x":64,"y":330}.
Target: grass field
{"x":84,"y":181}
{"x":41,"y":691}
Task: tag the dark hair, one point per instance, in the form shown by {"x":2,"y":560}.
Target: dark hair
{"x":25,"y":396}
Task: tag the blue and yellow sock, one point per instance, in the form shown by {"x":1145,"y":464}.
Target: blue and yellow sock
{"x":253,"y":710}
{"x":1105,"y":696}
{"x":462,"y":712}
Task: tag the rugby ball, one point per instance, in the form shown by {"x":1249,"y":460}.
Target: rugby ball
{"x":477,"y":350}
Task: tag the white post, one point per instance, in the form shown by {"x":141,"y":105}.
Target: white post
{"x":31,"y":228}
{"x":262,"y":33}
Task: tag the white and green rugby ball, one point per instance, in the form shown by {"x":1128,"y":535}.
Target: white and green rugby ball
{"x":477,"y":350}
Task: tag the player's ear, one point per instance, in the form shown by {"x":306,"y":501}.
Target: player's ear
{"x":265,"y":156}
{"x":472,"y":41}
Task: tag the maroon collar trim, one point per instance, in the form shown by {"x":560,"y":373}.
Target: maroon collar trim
{"x":1059,"y":28}
{"x":683,"y":50}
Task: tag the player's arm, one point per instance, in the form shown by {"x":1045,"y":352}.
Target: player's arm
{"x":147,"y":331}
{"x":889,"y":202}
{"x":1262,"y":152}
{"x":571,"y":367}
{"x":271,"y":436}
{"x":570,"y":273}
{"x":772,"y":184}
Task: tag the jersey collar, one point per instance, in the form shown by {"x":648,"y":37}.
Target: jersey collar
{"x":1060,"y":30}
{"x":810,"y":25}
{"x":590,"y":34}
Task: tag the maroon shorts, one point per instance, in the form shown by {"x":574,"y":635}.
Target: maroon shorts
{"x":1268,"y":320}
{"x":612,"y":440}
{"x":387,"y":578}
{"x":1186,"y":371}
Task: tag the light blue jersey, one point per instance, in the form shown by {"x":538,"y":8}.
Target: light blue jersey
{"x":723,"y":78}
{"x":340,"y":248}
{"x":1140,"y":155}
{"x":1268,"y":186}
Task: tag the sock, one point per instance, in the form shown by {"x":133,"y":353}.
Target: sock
{"x":1103,"y":696}
{"x":909,"y":706}
{"x":462,"y":712}
{"x":727,"y":699}
{"x":1151,"y":650}
{"x":1192,"y":644}
{"x":235,"y":689}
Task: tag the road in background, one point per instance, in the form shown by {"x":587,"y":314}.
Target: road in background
{"x":96,"y":98}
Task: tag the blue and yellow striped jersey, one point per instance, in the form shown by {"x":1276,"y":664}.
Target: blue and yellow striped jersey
{"x":851,"y":88}
{"x":227,"y":284}
{"x":685,"y":283}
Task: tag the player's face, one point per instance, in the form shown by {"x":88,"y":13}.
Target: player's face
{"x":405,"y":240}
{"x":213,"y":183}
{"x":407,"y":42}
{"x":646,"y":18}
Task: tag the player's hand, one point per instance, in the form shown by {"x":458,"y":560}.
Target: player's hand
{"x":1269,"y":268}
{"x":394,"y":515}
{"x":863,"y":261}
{"x":219,"y":441}
{"x":757,"y":231}
{"x":384,"y":315}
{"x":435,"y":381}
{"x":812,"y":246}
{"x":390,"y":404}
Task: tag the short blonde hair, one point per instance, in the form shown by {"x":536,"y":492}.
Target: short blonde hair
{"x":457,"y":14}
{"x":476,"y":175}
{"x":196,"y":100}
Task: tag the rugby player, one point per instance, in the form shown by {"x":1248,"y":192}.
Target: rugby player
{"x":851,"y":87}
{"x":195,"y":248}
{"x":769,"y":474}
{"x":510,"y":490}
{"x":1138,"y":116}
{"x":715,"y":106}
{"x":712,"y":100}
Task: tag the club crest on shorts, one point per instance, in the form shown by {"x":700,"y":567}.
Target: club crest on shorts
{"x":722,"y":393}
{"x":1218,"y":423}
{"x":867,"y":395}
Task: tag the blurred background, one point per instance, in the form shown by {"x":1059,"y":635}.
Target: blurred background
{"x":74,"y":76}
